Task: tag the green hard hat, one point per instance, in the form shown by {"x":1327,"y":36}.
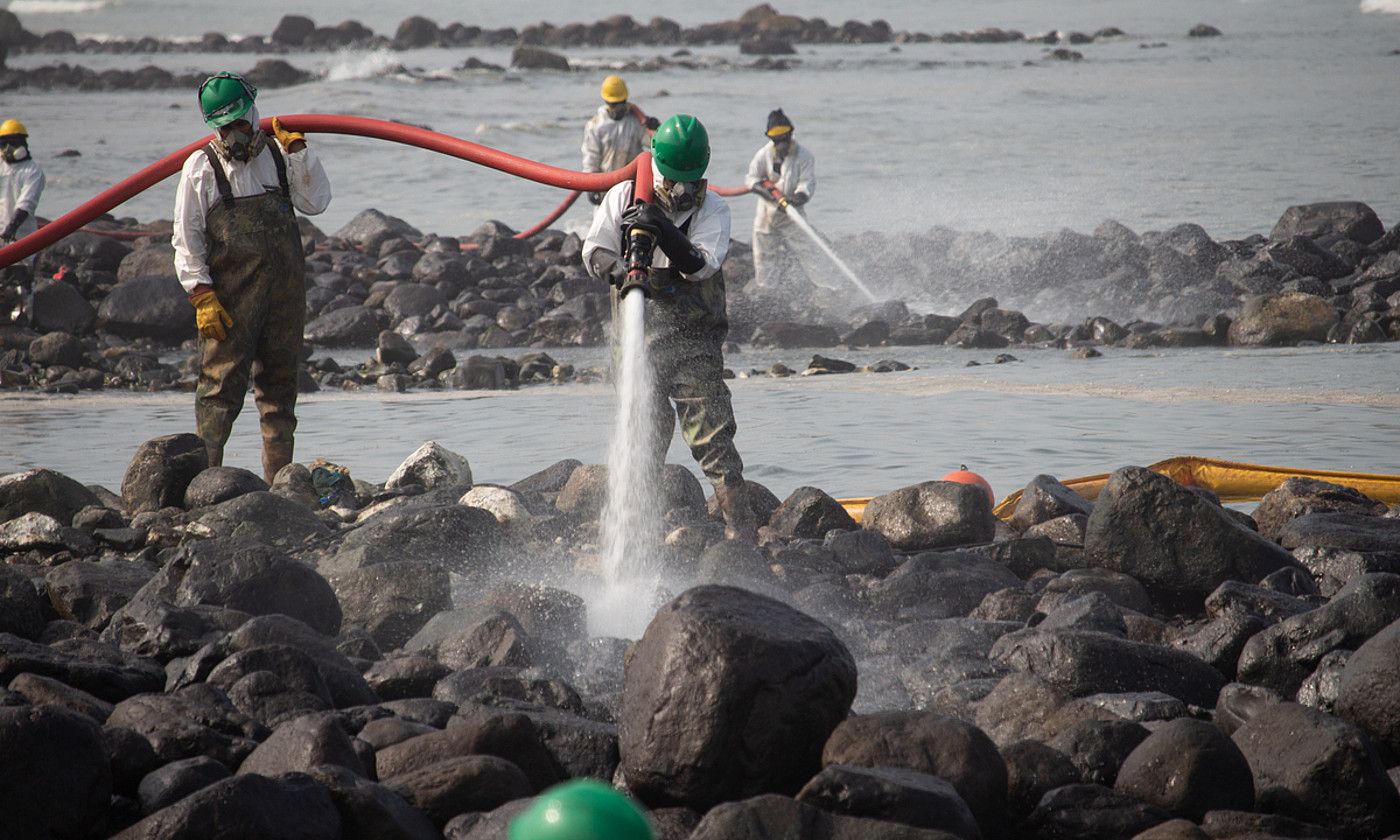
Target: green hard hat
{"x":225,"y":98}
{"x":681,"y":148}
{"x":584,"y":809}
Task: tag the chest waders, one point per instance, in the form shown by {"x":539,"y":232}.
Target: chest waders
{"x":255,"y":258}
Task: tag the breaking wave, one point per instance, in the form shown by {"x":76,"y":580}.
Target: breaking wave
{"x":1385,"y":7}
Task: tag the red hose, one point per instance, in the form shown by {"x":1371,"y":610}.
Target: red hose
{"x":550,"y":219}
{"x":642,"y":189}
{"x":327,"y":124}
{"x":729,"y":192}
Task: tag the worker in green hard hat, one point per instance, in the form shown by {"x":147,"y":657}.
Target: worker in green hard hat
{"x":686,"y":321}
{"x":781,"y":251}
{"x":584,"y":809}
{"x":238,"y":254}
{"x":21,"y":187}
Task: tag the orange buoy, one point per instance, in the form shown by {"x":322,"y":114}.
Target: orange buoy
{"x":962,"y":476}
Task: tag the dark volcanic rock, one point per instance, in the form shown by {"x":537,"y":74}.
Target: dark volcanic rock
{"x":512,"y":736}
{"x":460,"y":785}
{"x":21,"y":611}
{"x":161,"y":471}
{"x":891,"y":795}
{"x":1283,"y":319}
{"x":370,"y":811}
{"x":350,"y":326}
{"x":535,"y":58}
{"x":292,"y":807}
{"x":1351,"y":219}
{"x":301,"y":744}
{"x":1311,"y":766}
{"x":809,"y":512}
{"x":91,"y":593}
{"x":55,"y":779}
{"x":263,"y":517}
{"x":1083,"y":663}
{"x":153,"y":307}
{"x":179,"y":779}
{"x":1091,"y":812}
{"x":934,"y":514}
{"x":771,"y":817}
{"x":1045,"y":499}
{"x":101,"y":671}
{"x":1369,"y":690}
{"x":256,"y":579}
{"x":772,"y":682}
{"x":195,"y":721}
{"x":1188,"y":767}
{"x":1300,"y":496}
{"x":1343,"y":530}
{"x":1034,"y":769}
{"x":938,"y":585}
{"x":42,"y":491}
{"x":950,"y":749}
{"x":219,"y":484}
{"x":1097,"y":748}
{"x":1177,"y":544}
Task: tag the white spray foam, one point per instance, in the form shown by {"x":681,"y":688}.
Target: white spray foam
{"x":353,"y":64}
{"x":1385,"y":7}
{"x":57,"y":7}
{"x":631,"y":526}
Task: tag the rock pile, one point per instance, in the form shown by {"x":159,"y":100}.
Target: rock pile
{"x":204,"y":654}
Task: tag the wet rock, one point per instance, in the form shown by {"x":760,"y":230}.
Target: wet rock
{"x":928,"y":743}
{"x":507,"y":506}
{"x":58,"y":349}
{"x":401,"y":677}
{"x":292,"y":30}
{"x":1367,"y":691}
{"x":1351,"y":219}
{"x":1062,"y":530}
{"x":1219,"y":642}
{"x":153,"y":307}
{"x":1177,"y":544}
{"x":42,"y":491}
{"x":161,"y":471}
{"x":370,"y":227}
{"x":1121,"y":589}
{"x":1188,"y":767}
{"x":271,"y":684}
{"x":1299,"y":496}
{"x":1322,"y":687}
{"x":1097,"y":748}
{"x":1282,"y":656}
{"x":1091,"y":812}
{"x":1233,"y":596}
{"x":933,"y":514}
{"x":347,"y":687}
{"x":293,"y":806}
{"x":56,"y":780}
{"x":774,"y":816}
{"x":275,"y":73}
{"x":393,"y":348}
{"x":891,"y":795}
{"x":1246,"y":824}
{"x":45,"y":691}
{"x":392,"y":600}
{"x":301,"y":744}
{"x":132,"y":759}
{"x":766,"y":45}
{"x":432,"y":465}
{"x":509,"y":735}
{"x":938,"y":585}
{"x":463,"y":539}
{"x":1044,"y":499}
{"x":21,"y":611}
{"x":1082,"y":663}
{"x":786,"y":335}
{"x":1087,"y":612}
{"x":104,"y":672}
{"x":178,"y":779}
{"x":372,"y":811}
{"x":349,"y":326}
{"x":1307,"y":259}
{"x":219,"y":484}
{"x":810,"y":513}
{"x":263,"y":517}
{"x":1282,"y":319}
{"x":1033,"y":769}
{"x":409,"y":300}
{"x":744,"y":658}
{"x":1311,"y":766}
{"x":1204,"y":30}
{"x":536,"y":58}
{"x":196,"y":721}
{"x":461,"y":785}
{"x":1341,"y":530}
{"x":861,"y":552}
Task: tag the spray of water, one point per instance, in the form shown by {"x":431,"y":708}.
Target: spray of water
{"x":821,"y":243}
{"x":631,"y":525}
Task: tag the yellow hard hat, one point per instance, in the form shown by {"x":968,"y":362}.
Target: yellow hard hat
{"x":614,"y":90}
{"x":9,"y":127}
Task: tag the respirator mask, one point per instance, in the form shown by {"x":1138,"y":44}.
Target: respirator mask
{"x":681,"y":196}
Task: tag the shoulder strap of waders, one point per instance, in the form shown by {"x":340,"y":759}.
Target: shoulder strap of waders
{"x":281,"y":168}
{"x":220,"y":179}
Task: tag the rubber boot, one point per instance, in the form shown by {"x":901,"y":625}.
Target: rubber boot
{"x":215,"y":451}
{"x":739,"y":521}
{"x":275,"y":456}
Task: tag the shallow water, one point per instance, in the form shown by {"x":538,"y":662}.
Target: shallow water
{"x":855,"y":434}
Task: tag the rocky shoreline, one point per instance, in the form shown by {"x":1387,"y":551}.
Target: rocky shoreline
{"x":331,"y":658}
{"x":437,"y":310}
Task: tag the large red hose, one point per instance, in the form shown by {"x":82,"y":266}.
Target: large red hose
{"x":327,"y":124}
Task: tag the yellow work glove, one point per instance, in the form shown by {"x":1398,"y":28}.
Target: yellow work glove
{"x":285,"y":137}
{"x":210,"y":316}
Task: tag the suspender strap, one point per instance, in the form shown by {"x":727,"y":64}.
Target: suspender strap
{"x":281,"y":168}
{"x":220,"y":179}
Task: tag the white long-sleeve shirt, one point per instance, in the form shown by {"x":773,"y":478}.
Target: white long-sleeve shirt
{"x":198,"y":192}
{"x":21,"y":186}
{"x":709,"y":231}
{"x":799,"y":174}
{"x":610,"y":144}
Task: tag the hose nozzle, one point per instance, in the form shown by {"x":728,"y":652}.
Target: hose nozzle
{"x":640,"y":244}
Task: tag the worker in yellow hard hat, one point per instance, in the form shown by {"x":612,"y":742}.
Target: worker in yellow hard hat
{"x":21,"y":185}
{"x":238,"y":254}
{"x":616,"y":134}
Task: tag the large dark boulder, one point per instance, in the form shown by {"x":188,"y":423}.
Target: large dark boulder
{"x":1299,"y":496}
{"x":21,"y":610}
{"x":1082,"y":663}
{"x":292,"y":30}
{"x":392,"y":600}
{"x":1033,"y":769}
{"x":1369,"y":691}
{"x":1176,"y":543}
{"x":263,"y":517}
{"x":350,"y":326}
{"x":178,"y":779}
{"x":151,"y":306}
{"x":101,"y":671}
{"x":55,"y":777}
{"x":91,"y":593}
{"x":42,"y":491}
{"x":195,"y":721}
{"x":1188,"y":767}
{"x":536,"y":58}
{"x":772,"y":817}
{"x":950,"y":749}
{"x":461,"y":785}
{"x":455,"y":537}
{"x":1091,"y":812}
{"x":1314,"y":767}
{"x":510,"y":735}
{"x":938,"y":584}
{"x":292,"y":807}
{"x":256,"y":579}
{"x":810,"y":513}
{"x":370,"y":811}
{"x":1044,"y":499}
{"x":301,"y":744}
{"x":1285,"y":319}
{"x":161,"y":471}
{"x":934,"y":514}
{"x":1351,"y":219}
{"x":1283,"y":655}
{"x":370,"y":227}
{"x":729,"y":694}
{"x":1342,"y":530}
{"x":786,"y":335}
{"x":347,"y":686}
{"x":219,"y":484}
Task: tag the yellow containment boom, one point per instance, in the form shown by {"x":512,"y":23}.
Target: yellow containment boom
{"x":1232,"y":481}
